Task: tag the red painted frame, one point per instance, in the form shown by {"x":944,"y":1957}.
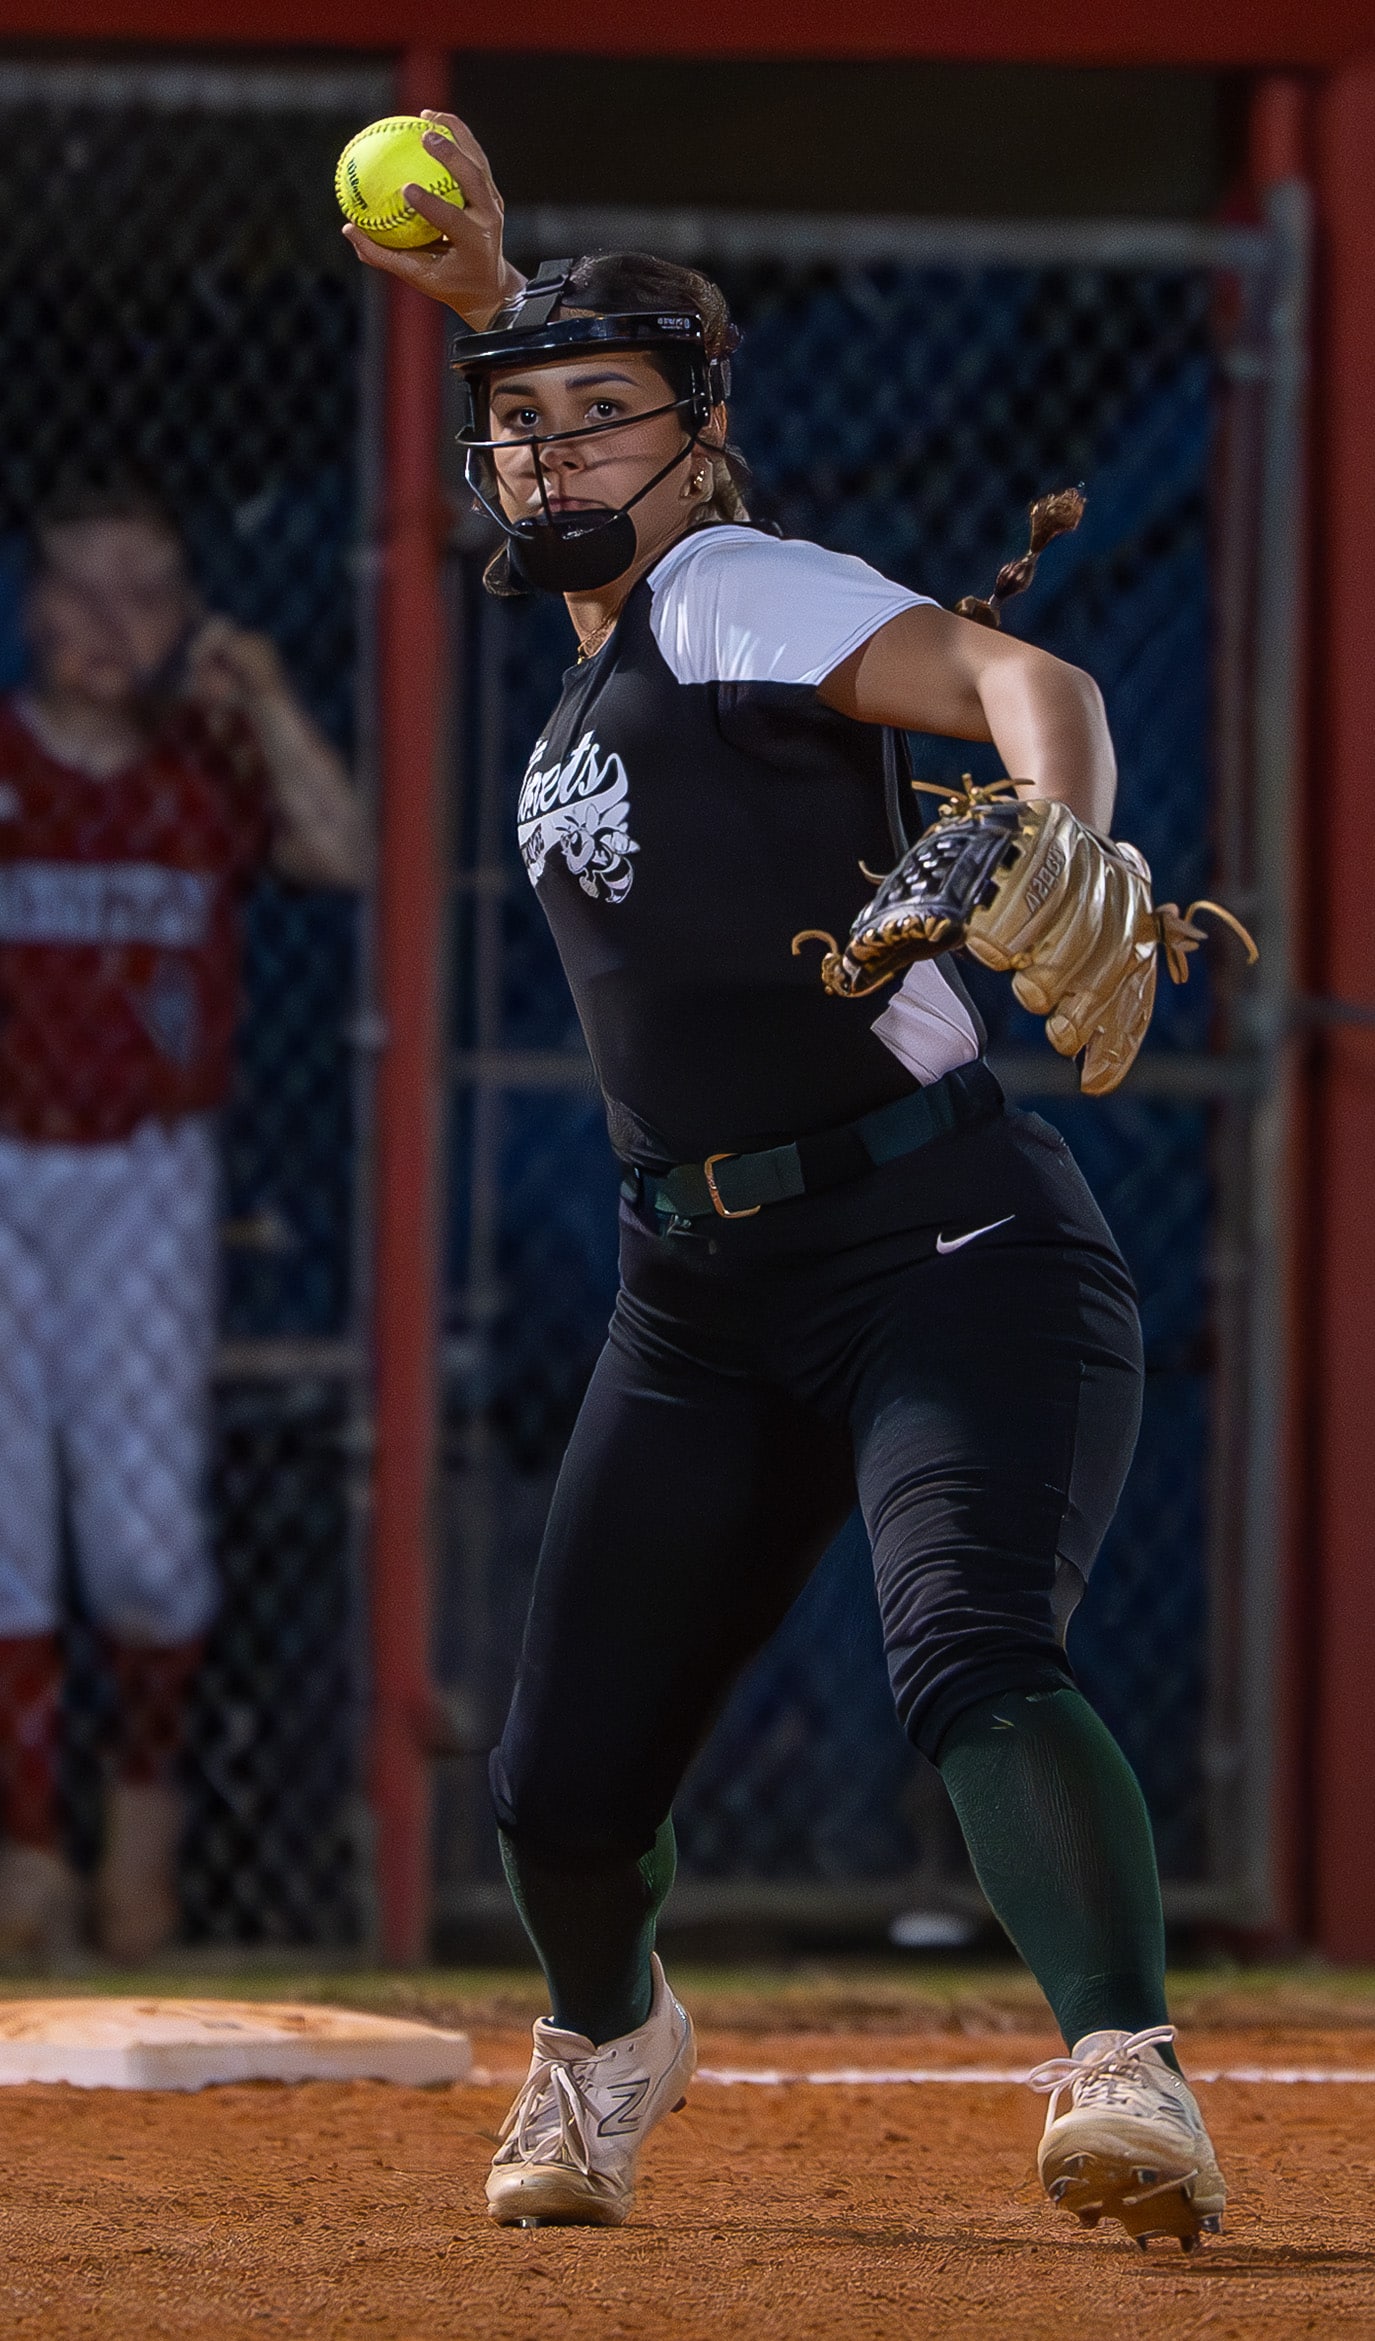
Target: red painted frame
{"x":410,"y":1091}
{"x":1324,"y":1759}
{"x":1337,"y":1550}
{"x":1259,"y":34}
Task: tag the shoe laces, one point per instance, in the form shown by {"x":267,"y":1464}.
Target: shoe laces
{"x":1111,"y":2076}
{"x":551,"y":2101}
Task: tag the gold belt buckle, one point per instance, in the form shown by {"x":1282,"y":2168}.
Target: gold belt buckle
{"x":715,"y":1193}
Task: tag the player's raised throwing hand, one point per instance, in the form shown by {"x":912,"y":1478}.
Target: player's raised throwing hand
{"x":467,"y":269}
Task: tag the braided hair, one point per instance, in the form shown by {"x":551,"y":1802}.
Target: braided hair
{"x":1050,"y":516}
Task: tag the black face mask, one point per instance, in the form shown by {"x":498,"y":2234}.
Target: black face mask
{"x":573,"y":552}
{"x":579,"y":551}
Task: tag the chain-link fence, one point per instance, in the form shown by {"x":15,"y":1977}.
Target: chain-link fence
{"x":178,"y":1078}
{"x":903,"y":395}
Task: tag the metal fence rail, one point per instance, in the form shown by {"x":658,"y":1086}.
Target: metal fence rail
{"x":905,"y":388}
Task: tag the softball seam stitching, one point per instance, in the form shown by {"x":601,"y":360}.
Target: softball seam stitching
{"x":366,"y":219}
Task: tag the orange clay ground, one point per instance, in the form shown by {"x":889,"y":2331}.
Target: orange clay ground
{"x":771,"y":2214}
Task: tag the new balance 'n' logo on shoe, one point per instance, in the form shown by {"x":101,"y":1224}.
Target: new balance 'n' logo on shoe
{"x":1131,"y":2144}
{"x":623,"y":2121}
{"x":568,"y":2147}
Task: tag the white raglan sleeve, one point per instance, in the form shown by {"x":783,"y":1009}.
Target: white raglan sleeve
{"x":731,"y":605}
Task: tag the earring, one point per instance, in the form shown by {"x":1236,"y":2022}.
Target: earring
{"x":695,"y":484}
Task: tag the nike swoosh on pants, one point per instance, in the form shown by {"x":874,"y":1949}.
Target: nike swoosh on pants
{"x":957,"y":1243}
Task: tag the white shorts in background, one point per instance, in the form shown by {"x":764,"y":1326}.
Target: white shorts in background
{"x":108,"y":1293}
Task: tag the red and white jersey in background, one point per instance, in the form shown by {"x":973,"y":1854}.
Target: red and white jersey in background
{"x":119,"y":928}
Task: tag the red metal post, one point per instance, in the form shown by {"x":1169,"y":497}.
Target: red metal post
{"x":1343,"y":1531}
{"x":1280,"y":152}
{"x":409,"y":1096}
{"x":1279,"y":131}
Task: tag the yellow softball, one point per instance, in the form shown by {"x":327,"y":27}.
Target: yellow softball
{"x":374,"y":167}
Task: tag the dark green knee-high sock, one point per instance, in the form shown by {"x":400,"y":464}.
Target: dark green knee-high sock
{"x":1060,"y":1839}
{"x":593,"y":1929}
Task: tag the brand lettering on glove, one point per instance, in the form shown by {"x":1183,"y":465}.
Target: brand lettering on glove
{"x":1040,"y":887}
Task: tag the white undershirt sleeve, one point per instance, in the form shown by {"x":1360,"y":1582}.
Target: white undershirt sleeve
{"x":730,"y":605}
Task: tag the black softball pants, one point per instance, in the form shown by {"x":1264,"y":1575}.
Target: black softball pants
{"x":980,"y":1397}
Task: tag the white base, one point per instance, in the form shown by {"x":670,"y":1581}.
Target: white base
{"x":190,"y":2044}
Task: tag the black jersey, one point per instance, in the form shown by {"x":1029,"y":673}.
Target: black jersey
{"x":690,"y":807}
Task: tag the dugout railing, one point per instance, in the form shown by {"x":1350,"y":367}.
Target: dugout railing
{"x":904,"y":389}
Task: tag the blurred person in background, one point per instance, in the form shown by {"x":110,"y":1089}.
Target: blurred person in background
{"x":154,"y":763}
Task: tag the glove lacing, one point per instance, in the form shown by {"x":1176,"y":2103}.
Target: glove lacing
{"x":966,"y":799}
{"x":1179,"y":936}
{"x":1174,"y":930}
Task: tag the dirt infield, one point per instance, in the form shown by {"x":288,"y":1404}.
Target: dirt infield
{"x":765,"y":2213}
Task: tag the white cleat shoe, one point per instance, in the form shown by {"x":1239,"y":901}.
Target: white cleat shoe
{"x":1131,"y":2144}
{"x":568,"y":2145}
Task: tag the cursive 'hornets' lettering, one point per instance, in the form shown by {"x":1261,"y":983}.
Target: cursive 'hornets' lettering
{"x":581,"y":809}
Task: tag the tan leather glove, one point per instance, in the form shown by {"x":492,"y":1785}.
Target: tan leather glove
{"x":1030,"y":891}
{"x":1072,"y":915}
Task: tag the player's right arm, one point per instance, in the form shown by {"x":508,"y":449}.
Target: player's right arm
{"x":928,"y":670}
{"x":468,"y":270}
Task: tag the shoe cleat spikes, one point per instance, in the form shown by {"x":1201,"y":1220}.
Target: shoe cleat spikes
{"x":1124,"y":2139}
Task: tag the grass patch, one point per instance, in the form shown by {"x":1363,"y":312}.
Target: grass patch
{"x":882,"y":1995}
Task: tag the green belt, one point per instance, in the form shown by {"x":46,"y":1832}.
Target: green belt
{"x":735,"y":1186}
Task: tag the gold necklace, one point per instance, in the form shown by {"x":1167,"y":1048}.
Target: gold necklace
{"x":599,"y":635}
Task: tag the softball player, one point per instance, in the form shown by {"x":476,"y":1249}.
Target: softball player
{"x":846,"y":1268}
{"x":154,"y":759}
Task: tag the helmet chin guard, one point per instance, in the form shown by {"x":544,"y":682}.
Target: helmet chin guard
{"x":573,"y":552}
{"x":581,"y":550}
